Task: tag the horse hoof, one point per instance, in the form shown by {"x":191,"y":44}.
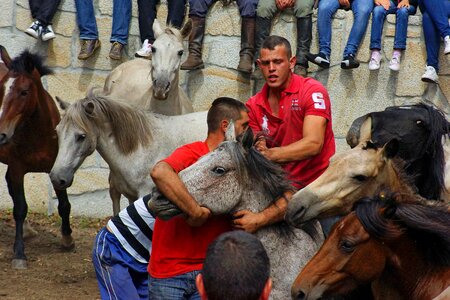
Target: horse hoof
{"x":19,"y":264}
{"x":67,"y":243}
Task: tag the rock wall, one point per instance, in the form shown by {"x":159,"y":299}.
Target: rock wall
{"x":353,"y":92}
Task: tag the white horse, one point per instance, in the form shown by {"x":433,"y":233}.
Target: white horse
{"x":154,"y":85}
{"x":234,"y":177}
{"x":130,"y":140}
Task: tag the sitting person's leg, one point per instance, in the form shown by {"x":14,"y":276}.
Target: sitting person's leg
{"x":303,"y":13}
{"x":247,"y":9}
{"x":432,"y":45}
{"x":88,"y":28}
{"x":147,"y":15}
{"x":439,"y":13}
{"x":361,"y":14}
{"x":378,"y":17}
{"x":43,"y":13}
{"x":176,"y":12}
{"x":120,"y":27}
{"x":327,"y":8}
{"x":265,"y":11}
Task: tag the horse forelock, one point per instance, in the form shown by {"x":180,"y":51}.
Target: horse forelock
{"x":171,"y":30}
{"x":387,"y":219}
{"x":130,"y":127}
{"x":27,"y":61}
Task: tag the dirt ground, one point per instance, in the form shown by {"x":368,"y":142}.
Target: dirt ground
{"x":52,"y":273}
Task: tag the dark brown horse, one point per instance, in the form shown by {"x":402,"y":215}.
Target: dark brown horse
{"x":402,"y":248}
{"x":28,"y":140}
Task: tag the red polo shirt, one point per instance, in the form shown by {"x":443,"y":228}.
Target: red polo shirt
{"x":178,"y":248}
{"x":303,"y":96}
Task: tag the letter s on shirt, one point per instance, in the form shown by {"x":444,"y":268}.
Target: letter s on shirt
{"x":319,"y":102}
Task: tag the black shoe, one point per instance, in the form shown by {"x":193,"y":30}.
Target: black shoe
{"x":319,"y":59}
{"x":349,"y":62}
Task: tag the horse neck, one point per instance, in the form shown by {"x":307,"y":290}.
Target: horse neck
{"x":413,"y":276}
{"x":398,"y":184}
{"x":254,"y":199}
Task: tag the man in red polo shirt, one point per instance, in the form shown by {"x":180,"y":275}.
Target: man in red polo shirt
{"x":179,"y":245}
{"x":294,"y":113}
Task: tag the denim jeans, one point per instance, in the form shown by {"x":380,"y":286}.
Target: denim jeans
{"x":88,"y":26}
{"x":199,"y":8}
{"x":401,"y":24}
{"x":435,"y":14}
{"x":181,"y":287}
{"x":361,"y":13}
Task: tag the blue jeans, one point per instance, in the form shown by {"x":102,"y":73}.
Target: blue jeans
{"x":435,"y":14}
{"x":199,"y":8}
{"x":181,"y":287}
{"x":119,"y":275}
{"x":361,"y":13}
{"x":401,"y":25}
{"x":88,"y":26}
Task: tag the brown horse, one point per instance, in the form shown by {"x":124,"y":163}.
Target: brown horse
{"x":402,"y":248}
{"x":28,"y":140}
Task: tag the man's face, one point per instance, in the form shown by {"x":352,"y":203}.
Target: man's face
{"x":242,"y":124}
{"x":276,"y":66}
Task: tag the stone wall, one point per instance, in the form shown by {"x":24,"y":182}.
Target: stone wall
{"x":353,"y":93}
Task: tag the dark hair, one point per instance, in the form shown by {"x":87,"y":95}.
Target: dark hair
{"x":224,"y":108}
{"x":274,"y":40}
{"x":236,"y":267}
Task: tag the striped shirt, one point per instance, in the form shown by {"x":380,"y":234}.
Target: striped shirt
{"x":133,"y":227}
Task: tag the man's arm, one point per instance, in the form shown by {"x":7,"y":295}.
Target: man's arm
{"x":168,"y":182}
{"x":310,"y":145}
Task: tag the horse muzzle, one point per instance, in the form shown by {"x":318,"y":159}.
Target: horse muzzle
{"x":60,"y":181}
{"x":161,"y":207}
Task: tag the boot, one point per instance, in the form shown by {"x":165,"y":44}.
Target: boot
{"x":247,"y":45}
{"x":262,"y":31}
{"x":304,"y":37}
{"x":194,"y":60}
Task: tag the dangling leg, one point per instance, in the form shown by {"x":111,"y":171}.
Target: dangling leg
{"x":67,"y":241}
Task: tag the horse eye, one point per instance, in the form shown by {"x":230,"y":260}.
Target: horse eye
{"x":180,"y":53}
{"x":80,"y":137}
{"x":219,"y":170}
{"x":419,"y":122}
{"x":153,"y":49}
{"x":360,"y":178}
{"x":347,"y":246}
{"x":23,"y":93}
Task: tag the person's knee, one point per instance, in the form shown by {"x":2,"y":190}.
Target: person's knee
{"x":266,"y":9}
{"x":328,"y":6}
{"x":364,"y":9}
{"x":378,"y":11}
{"x":303,"y":8}
{"x":402,"y":13}
{"x":247,"y":8}
{"x":199,"y":8}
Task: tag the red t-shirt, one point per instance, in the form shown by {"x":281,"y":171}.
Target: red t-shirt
{"x":303,"y":96}
{"x":178,"y":248}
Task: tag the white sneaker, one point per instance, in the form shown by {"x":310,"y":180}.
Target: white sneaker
{"x":375,"y":61}
{"x":145,"y":51}
{"x":447,"y":45}
{"x":394,"y":64}
{"x":34,"y":30}
{"x":430,"y":75}
{"x":47,"y":33}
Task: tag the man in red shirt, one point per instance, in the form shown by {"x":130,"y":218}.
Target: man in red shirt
{"x":294,"y":113}
{"x":179,"y":245}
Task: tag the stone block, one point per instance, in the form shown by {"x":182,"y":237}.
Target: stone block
{"x":16,"y":43}
{"x":65,"y":23}
{"x":6,"y":13}
{"x":341,"y":145}
{"x":37,"y":191}
{"x":221,"y":51}
{"x":71,"y":86}
{"x":23,"y":18}
{"x":223,"y":21}
{"x":444,"y":84}
{"x":59,"y":51}
{"x":68,"y":5}
{"x":409,"y":83}
{"x":105,"y":7}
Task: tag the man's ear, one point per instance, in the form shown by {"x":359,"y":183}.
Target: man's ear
{"x":258,"y":62}
{"x":266,"y":290}
{"x":201,"y":287}
{"x":292,"y":62}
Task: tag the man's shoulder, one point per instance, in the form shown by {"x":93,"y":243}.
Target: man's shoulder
{"x":311,"y":83}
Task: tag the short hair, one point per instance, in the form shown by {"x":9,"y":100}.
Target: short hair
{"x":224,"y":108}
{"x":236,"y":267}
{"x":274,"y":40}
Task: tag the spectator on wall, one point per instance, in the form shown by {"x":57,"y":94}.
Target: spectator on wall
{"x":42,"y":12}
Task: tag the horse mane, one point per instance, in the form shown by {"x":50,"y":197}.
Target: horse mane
{"x":130,"y":127}
{"x":386,"y":218}
{"x":27,"y":61}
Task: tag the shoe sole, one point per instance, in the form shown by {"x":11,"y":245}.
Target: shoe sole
{"x":428,"y":80}
{"x":34,"y":35}
{"x":345,"y":67}
{"x":47,"y":39}
{"x":201,"y":66}
{"x":394,"y":69}
{"x":92,"y":53}
{"x":115,"y":57}
{"x":319,"y":61}
{"x":142,"y":56}
{"x":374,"y":69}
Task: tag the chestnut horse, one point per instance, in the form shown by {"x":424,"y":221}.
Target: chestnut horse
{"x":402,"y":248}
{"x":28,"y":140}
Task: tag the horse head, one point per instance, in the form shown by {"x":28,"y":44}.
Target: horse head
{"x":351,"y":175}
{"x":21,"y":91}
{"x":167,"y":51}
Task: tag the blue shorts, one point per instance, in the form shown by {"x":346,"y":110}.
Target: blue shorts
{"x":119,"y":275}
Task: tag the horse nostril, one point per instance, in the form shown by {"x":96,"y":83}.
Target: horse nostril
{"x":167,"y":86}
{"x":62,"y":182}
{"x":300,"y":296}
{"x":2,"y":138}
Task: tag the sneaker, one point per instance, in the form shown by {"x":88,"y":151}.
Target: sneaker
{"x":88,"y":48}
{"x":34,"y":30}
{"x":47,"y":33}
{"x":447,"y":45}
{"x":394,"y":64}
{"x":375,"y":61}
{"x":319,"y":59}
{"x":116,"y":51}
{"x":349,"y":62}
{"x":430,"y":75}
{"x":145,"y":51}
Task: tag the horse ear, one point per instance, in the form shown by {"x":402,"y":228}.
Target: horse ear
{"x":157,"y":28}
{"x":354,"y":133}
{"x":89,"y":108}
{"x":230,"y":134}
{"x":391,"y":148}
{"x":62,"y":104}
{"x":4,"y":56}
{"x":247,"y":139}
{"x":187,"y":28}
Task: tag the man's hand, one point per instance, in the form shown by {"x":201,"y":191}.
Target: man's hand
{"x":385,"y":3}
{"x":199,"y":218}
{"x":248,"y":221}
{"x":403,"y":3}
{"x":280,"y":4}
{"x":345,"y":4}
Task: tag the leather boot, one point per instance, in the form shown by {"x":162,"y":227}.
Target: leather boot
{"x":247,"y":45}
{"x":262,"y":31}
{"x":194,"y":60}
{"x":304,"y":37}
